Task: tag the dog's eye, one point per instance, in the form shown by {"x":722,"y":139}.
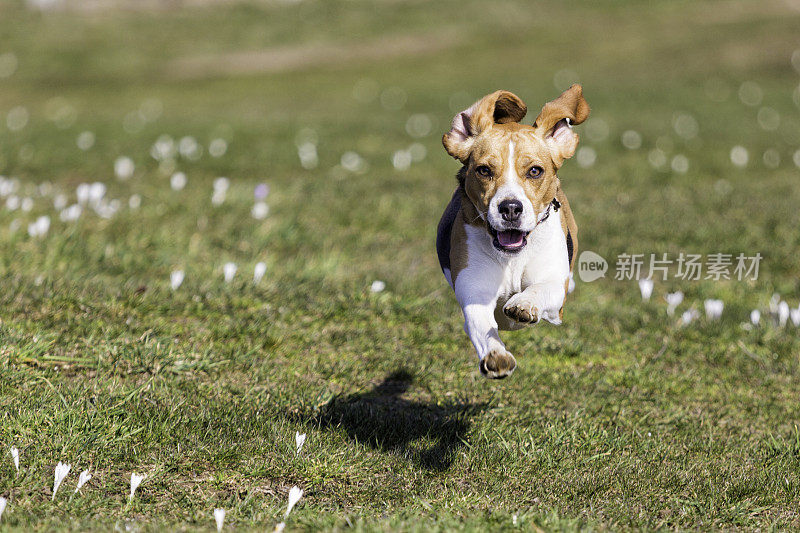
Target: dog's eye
{"x":484,"y":171}
{"x":535,"y":172}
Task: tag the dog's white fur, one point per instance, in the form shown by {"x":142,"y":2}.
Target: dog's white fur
{"x":492,"y":280}
{"x":512,"y":190}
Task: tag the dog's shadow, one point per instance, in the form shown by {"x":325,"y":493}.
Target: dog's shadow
{"x":428,"y":434}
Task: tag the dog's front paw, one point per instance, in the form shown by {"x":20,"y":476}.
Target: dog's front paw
{"x":497,"y":364}
{"x":521,"y":309}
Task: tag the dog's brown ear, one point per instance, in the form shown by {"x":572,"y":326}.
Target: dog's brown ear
{"x":556,"y":119}
{"x":500,"y":107}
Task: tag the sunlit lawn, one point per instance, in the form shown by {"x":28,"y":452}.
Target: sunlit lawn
{"x":621,"y":418}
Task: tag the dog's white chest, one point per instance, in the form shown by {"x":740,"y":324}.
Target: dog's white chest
{"x":543,"y":259}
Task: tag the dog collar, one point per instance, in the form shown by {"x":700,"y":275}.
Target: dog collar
{"x":555,"y":205}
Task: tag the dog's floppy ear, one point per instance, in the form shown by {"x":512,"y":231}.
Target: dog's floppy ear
{"x":555,"y":121}
{"x":499,"y":107}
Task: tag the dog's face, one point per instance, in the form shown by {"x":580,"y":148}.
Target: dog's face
{"x":510,"y":168}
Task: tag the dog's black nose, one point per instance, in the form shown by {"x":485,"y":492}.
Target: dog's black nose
{"x":510,"y":210}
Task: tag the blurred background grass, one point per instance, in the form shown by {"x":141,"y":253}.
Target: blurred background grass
{"x":203,"y":387}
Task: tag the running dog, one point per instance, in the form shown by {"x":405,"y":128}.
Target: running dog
{"x":507,"y":240}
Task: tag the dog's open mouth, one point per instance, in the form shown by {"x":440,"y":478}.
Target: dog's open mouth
{"x":509,"y":240}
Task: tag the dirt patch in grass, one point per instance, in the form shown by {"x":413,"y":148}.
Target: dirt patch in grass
{"x":292,"y":58}
{"x":737,"y":11}
{"x":97,"y":6}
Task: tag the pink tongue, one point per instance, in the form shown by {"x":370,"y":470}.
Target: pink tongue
{"x":510,"y":238}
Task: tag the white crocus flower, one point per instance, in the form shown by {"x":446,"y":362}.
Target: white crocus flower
{"x":229,"y":271}
{"x":674,"y":299}
{"x":259,"y":271}
{"x":294,"y":496}
{"x":61,"y":472}
{"x":71,"y":213}
{"x":783,"y":313}
{"x":221,"y":184}
{"x":60,"y":201}
{"x":189,"y":148}
{"x":43,"y":223}
{"x":260,"y":210}
{"x":3,"y":503}
{"x":40,"y":227}
{"x":82,"y":193}
{"x":689,"y":316}
{"x":164,"y":148}
{"x":175,"y":279}
{"x":15,"y":457}
{"x":401,"y":160}
{"x":377,"y":286}
{"x":299,"y":440}
{"x":218,"y":198}
{"x":177,"y":181}
{"x":755,"y":317}
{"x":7,"y":186}
{"x":124,"y":167}
{"x":217,"y":147}
{"x":773,"y":304}
{"x":97,"y":191}
{"x":82,"y":480}
{"x":107,"y":209}
{"x":353,"y":162}
{"x":85,"y":140}
{"x":646,"y":288}
{"x":794,"y":314}
{"x":307,"y":152}
{"x":219,"y":518}
{"x":713,"y":309}
{"x":136,"y":480}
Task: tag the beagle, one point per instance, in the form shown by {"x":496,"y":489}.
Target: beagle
{"x":507,"y":240}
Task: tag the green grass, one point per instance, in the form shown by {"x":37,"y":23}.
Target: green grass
{"x":617,"y":420}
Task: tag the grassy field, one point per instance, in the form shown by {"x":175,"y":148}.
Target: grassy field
{"x":619,"y":419}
